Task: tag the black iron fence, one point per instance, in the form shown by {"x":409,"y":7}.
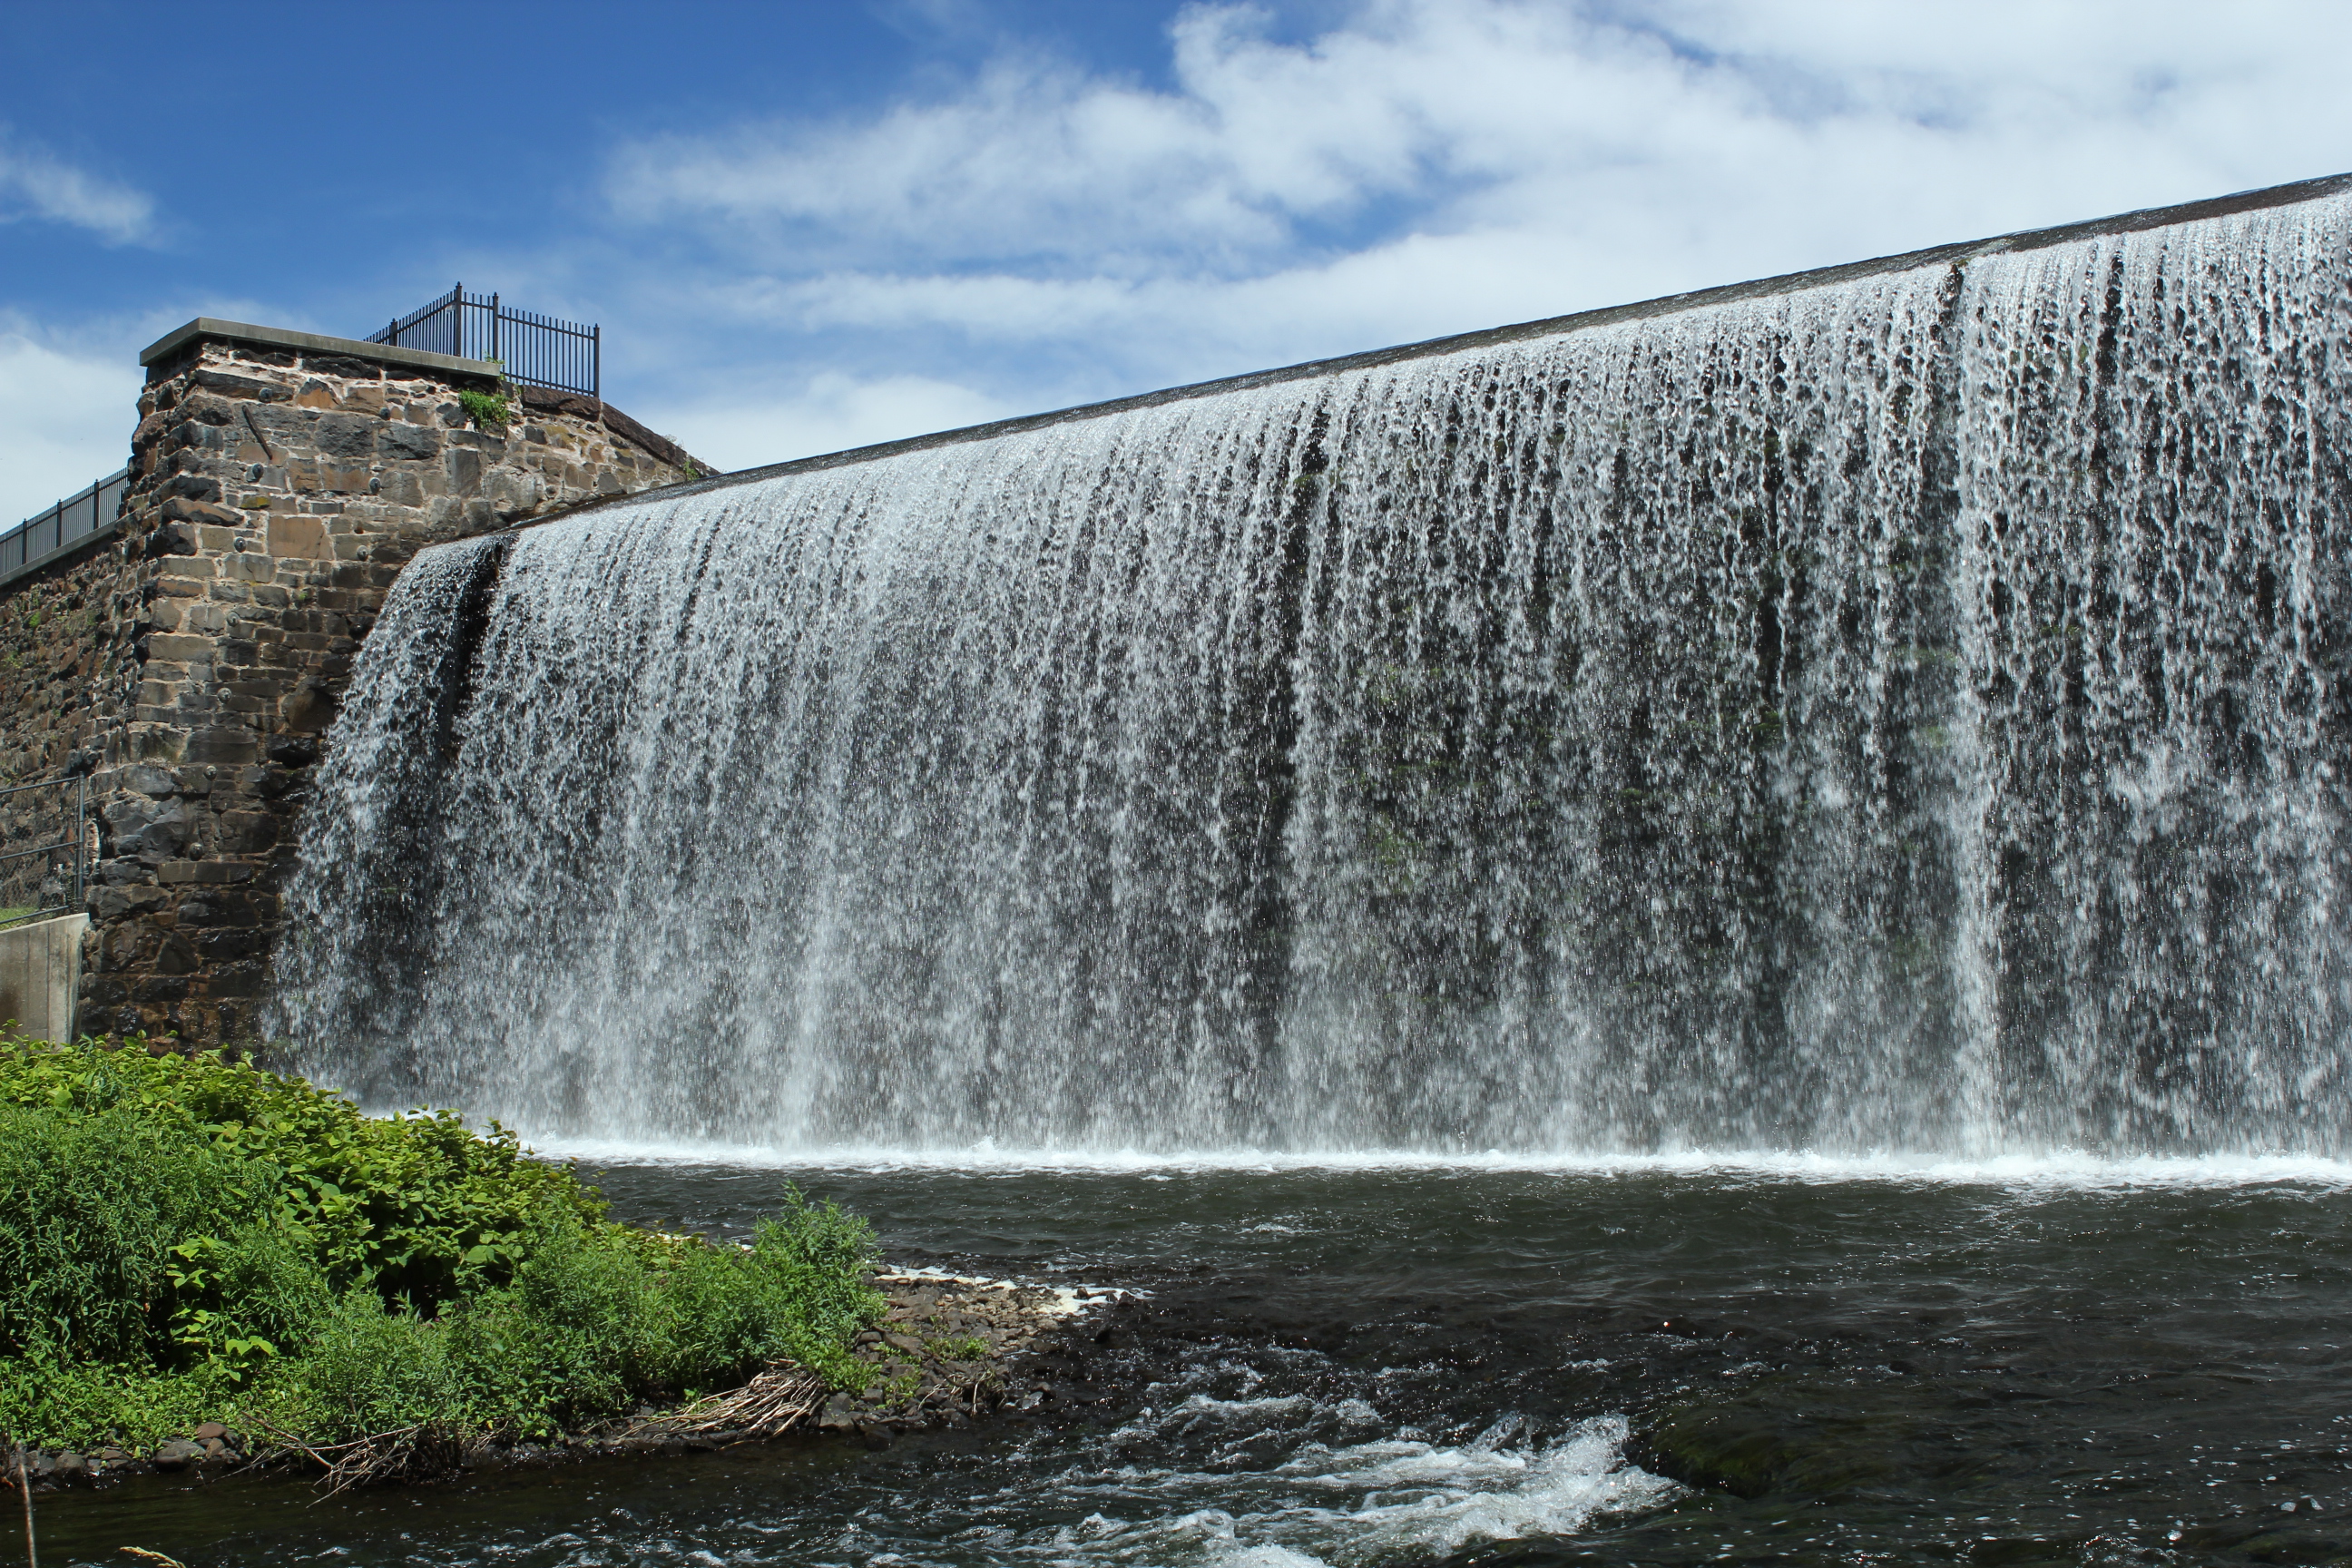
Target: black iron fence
{"x":529,"y":346}
{"x":47,"y":844}
{"x":88,"y":511}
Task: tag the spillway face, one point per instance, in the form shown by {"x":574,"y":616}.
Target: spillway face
{"x":1908,"y":713}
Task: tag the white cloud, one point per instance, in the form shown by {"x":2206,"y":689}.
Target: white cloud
{"x":1426,"y":166}
{"x":67,"y":416}
{"x":829,"y":413}
{"x":37,"y":183}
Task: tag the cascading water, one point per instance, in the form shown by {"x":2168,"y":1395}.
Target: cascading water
{"x":1905,"y":712}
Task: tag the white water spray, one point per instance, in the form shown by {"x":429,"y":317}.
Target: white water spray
{"x":1906,"y":714}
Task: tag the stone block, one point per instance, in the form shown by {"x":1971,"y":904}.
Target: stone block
{"x":406,"y":443}
{"x":191,"y":487}
{"x":244,"y":978}
{"x":241,"y":386}
{"x":309,"y":710}
{"x":346,"y":434}
{"x":304,"y":537}
{"x":224,"y":747}
{"x":182,"y":540}
{"x":343,"y":366}
{"x":163,"y":838}
{"x":215,"y":946}
{"x":191,"y":649}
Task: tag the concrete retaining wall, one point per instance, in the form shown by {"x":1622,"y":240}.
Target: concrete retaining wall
{"x":40,"y":975}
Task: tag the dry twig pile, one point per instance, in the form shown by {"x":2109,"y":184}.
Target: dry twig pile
{"x":768,"y":1405}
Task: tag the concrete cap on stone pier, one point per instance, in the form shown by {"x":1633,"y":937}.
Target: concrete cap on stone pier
{"x":209,"y":329}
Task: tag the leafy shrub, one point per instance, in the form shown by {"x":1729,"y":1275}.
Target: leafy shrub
{"x":421,"y":1207}
{"x":485,"y":407}
{"x":92,"y":1210}
{"x":369,"y":1370}
{"x":190,"y":1237}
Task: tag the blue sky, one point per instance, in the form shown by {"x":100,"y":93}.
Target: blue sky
{"x":804,"y":227}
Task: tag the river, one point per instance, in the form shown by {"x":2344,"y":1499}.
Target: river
{"x":1395,"y":1363}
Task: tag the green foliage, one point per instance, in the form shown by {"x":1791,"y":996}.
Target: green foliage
{"x":369,"y":1370}
{"x":88,"y":1405}
{"x":485,"y":407}
{"x":967,"y":1347}
{"x":184,"y":1238}
{"x":91,"y":1210}
{"x":417,"y":1206}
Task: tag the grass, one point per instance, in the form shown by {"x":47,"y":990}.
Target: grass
{"x":186,"y":1239}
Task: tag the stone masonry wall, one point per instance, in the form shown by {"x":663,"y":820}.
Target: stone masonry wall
{"x":191,"y":665}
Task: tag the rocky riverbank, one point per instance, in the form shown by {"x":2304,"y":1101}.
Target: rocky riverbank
{"x":950,"y":1351}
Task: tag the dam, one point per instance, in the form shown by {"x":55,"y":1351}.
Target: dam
{"x":1898,"y":707}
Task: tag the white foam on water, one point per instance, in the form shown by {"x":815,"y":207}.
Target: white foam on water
{"x":2062,"y":1170}
{"x":1331,"y":1487}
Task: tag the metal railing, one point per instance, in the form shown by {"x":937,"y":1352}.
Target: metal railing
{"x":50,"y":876}
{"x":528,"y":346}
{"x":80,"y":516}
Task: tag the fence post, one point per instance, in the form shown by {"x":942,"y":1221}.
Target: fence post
{"x":596,"y":361}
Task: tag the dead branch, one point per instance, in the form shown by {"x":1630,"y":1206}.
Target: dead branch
{"x":403,"y":1453}
{"x":770,"y":1404}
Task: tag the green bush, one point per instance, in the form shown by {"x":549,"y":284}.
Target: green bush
{"x":369,"y":1370}
{"x":206,"y":1240}
{"x":420,"y":1207}
{"x":485,"y":407}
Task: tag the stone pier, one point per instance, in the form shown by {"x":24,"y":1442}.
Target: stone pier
{"x":190,"y":659}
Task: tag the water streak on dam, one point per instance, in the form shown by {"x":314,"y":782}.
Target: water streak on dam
{"x":1904,"y":709}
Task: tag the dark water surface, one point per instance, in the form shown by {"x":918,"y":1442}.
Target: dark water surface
{"x":1393,"y":1366}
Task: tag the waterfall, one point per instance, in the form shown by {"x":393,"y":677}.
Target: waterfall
{"x":1903,"y":713}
